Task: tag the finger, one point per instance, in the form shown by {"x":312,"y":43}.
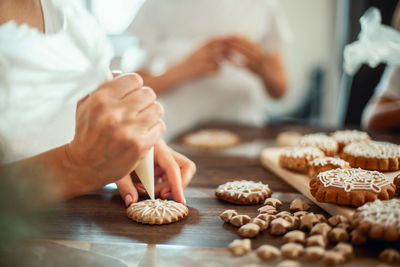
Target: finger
{"x":140,"y":99}
{"x":150,"y":115}
{"x":127,"y":190}
{"x":249,"y":52}
{"x":122,"y":85}
{"x":165,"y":193}
{"x":188,"y":168}
{"x":172,"y":171}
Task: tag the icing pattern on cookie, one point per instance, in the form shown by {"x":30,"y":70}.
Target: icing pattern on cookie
{"x":348,"y":136}
{"x":243,"y":188}
{"x":309,"y":153}
{"x":386,"y":212}
{"x":329,"y":160}
{"x":373,"y":149}
{"x":157,"y":208}
{"x":352,"y":179}
{"x":318,"y":140}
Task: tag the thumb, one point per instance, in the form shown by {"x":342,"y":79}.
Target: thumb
{"x":127,"y":190}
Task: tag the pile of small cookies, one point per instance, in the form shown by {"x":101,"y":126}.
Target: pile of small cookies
{"x":304,"y":233}
{"x":345,"y":167}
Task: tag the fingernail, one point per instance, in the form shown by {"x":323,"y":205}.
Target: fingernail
{"x":167,"y":196}
{"x":184,"y":201}
{"x":128,"y":200}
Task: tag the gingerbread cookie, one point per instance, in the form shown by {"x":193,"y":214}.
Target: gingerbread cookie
{"x":249,"y":230}
{"x":240,"y":247}
{"x":379,"y":219}
{"x":298,"y":158}
{"x":268,"y":252}
{"x":243,"y":192}
{"x":157,"y":211}
{"x":211,"y":139}
{"x":325,"y":143}
{"x":396,"y":182}
{"x":351,"y":186}
{"x":346,"y":137}
{"x":379,"y":156}
{"x":326,"y":164}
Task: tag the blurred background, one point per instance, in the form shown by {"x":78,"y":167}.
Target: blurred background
{"x":319,"y":93}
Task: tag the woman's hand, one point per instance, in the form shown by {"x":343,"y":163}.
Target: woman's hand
{"x":268,"y":66}
{"x":252,"y":52}
{"x":115,"y":127}
{"x":204,"y":60}
{"x":172,"y":172}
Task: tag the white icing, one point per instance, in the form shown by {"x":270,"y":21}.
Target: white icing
{"x":157,"y":208}
{"x":385,"y":213}
{"x":318,"y":140}
{"x":373,"y":149}
{"x":309,"y":153}
{"x":244,"y":188}
{"x":351,"y":179}
{"x":349,"y":136}
{"x":329,"y":160}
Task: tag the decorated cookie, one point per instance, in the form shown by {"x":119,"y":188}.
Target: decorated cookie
{"x":379,"y":219}
{"x":326,"y":164}
{"x":346,"y":137}
{"x":211,"y":139}
{"x":298,"y":158}
{"x":325,"y":143}
{"x":396,"y":182}
{"x":351,"y":186}
{"x":243,"y":192}
{"x":157,"y":211}
{"x":380,"y":156}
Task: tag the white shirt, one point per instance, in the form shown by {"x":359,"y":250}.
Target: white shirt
{"x":42,"y":76}
{"x":169,"y":30}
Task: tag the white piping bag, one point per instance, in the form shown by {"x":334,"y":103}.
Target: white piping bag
{"x":145,"y":168}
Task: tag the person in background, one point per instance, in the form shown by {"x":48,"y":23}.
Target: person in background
{"x":212,"y":60}
{"x":383,"y":110}
{"x":65,"y":130}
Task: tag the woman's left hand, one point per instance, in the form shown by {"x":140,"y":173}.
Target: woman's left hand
{"x":252,"y":52}
{"x":173,"y":172}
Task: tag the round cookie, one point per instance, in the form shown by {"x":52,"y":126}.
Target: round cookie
{"x":373,"y":155}
{"x":327,"y":144}
{"x":211,"y":139}
{"x":298,"y":158}
{"x":157,"y":211}
{"x":243,"y":192}
{"x":325,"y":164}
{"x":346,"y":137}
{"x":351,"y":186}
{"x":379,"y":219}
{"x":396,"y":182}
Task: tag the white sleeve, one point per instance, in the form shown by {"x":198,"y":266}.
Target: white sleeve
{"x":389,"y":86}
{"x":279,"y":30}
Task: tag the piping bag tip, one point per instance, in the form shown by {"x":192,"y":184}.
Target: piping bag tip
{"x":145,"y":172}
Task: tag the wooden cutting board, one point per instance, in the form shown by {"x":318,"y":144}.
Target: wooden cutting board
{"x":270,"y":160}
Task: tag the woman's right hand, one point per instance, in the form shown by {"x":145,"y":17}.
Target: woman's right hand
{"x":204,"y":60}
{"x":115,"y":127}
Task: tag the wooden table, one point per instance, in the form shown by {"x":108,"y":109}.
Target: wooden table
{"x":96,"y":224}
